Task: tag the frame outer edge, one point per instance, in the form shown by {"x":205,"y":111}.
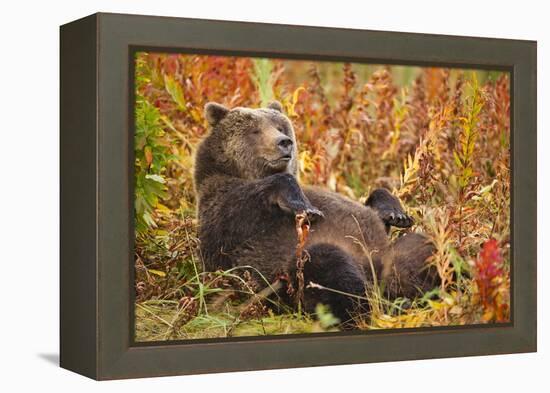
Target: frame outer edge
{"x":118,"y":358}
{"x":527,"y":191}
{"x":78,"y":197}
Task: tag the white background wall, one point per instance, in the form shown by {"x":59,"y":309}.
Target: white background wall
{"x":29,"y":195}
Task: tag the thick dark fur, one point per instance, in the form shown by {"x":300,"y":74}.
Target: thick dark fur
{"x":245,"y":177}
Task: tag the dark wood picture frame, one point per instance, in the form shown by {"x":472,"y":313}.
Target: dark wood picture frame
{"x":97,"y":199}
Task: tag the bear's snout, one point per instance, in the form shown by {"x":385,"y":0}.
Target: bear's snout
{"x":284,"y":143}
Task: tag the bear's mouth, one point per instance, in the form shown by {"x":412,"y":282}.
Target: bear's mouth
{"x":285,"y":158}
{"x":281,"y":160}
{"x":280,"y":164}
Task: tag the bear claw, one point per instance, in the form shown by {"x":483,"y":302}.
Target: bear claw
{"x":313,"y":214}
{"x":389,"y":209}
{"x":399,"y":220}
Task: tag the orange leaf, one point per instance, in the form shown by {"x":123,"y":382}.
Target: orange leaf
{"x":148,"y":155}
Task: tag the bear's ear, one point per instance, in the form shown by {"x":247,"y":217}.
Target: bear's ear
{"x":214,"y":112}
{"x":275,"y":105}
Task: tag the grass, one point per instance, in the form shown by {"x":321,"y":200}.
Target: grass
{"x":438,"y":138}
{"x":159,"y":322}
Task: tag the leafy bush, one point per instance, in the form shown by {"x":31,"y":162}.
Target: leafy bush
{"x":151,"y":158}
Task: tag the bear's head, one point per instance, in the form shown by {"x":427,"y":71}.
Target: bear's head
{"x":247,"y":143}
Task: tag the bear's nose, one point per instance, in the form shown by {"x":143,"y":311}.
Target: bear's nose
{"x":284,"y":143}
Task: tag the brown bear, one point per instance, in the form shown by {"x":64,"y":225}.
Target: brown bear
{"x":248,"y":197}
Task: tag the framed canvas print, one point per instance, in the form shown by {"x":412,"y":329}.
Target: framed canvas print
{"x":240,"y":196}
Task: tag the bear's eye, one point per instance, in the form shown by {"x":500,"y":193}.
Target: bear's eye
{"x":256,"y":130}
{"x":281,"y":129}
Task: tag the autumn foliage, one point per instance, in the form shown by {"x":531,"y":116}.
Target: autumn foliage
{"x":438,"y":138}
{"x":491,"y":283}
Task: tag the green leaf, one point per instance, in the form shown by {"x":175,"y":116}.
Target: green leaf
{"x":175,"y":90}
{"x":263,"y":79}
{"x":157,"y":178}
{"x":326,"y":318}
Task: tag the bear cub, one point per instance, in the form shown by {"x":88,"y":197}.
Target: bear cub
{"x":248,"y":197}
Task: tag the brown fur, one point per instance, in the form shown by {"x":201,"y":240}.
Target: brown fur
{"x":245,"y":177}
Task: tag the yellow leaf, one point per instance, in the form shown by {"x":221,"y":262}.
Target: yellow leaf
{"x":157,"y":272}
{"x":436,"y":305}
{"x":488,"y":315}
{"x":163,"y":208}
{"x":292,"y":104}
{"x":448,"y":299}
{"x":306,"y":162}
